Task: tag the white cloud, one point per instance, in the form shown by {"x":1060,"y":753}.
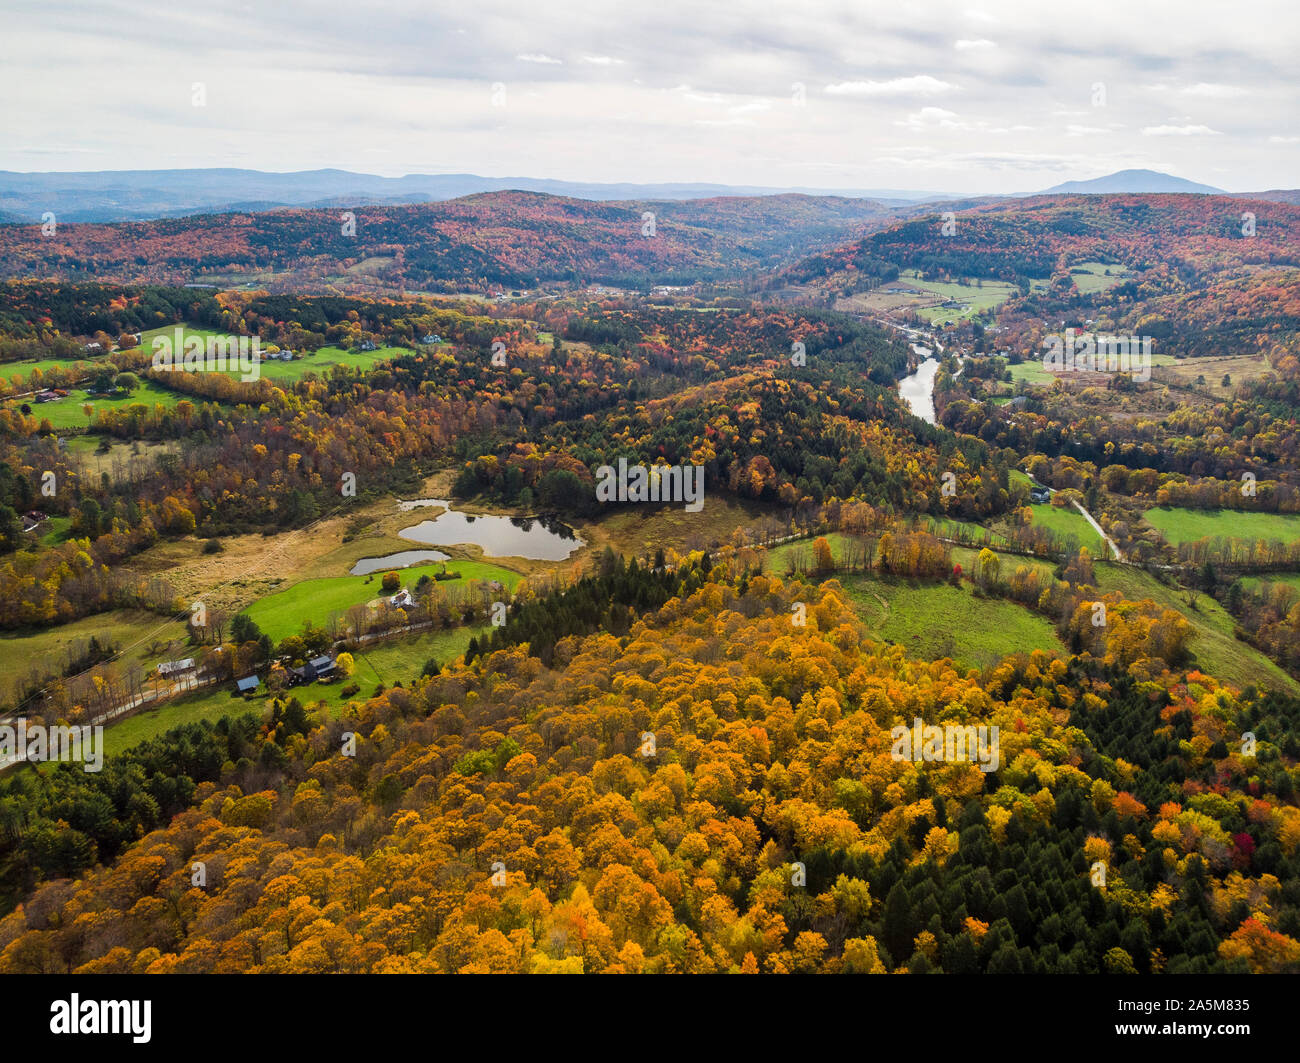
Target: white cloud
{"x":704,"y":97}
{"x":921,"y":85}
{"x":602,"y":60}
{"x":980,"y":45}
{"x":1217,"y":92}
{"x":1179,"y":131}
{"x":932,"y":118}
{"x":533,"y":57}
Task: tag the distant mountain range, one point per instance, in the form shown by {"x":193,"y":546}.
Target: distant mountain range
{"x":1132,"y":182}
{"x":139,"y":195}
{"x":134,"y":195}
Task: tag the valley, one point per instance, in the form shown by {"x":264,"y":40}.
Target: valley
{"x":392,"y":534}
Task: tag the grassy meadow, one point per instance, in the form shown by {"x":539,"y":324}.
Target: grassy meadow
{"x":319,"y":362}
{"x":283,"y":614}
{"x":933,"y":619}
{"x":1179,"y":525}
{"x":1217,"y":650}
{"x":1066,"y":521}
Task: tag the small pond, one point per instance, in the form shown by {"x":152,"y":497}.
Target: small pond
{"x":531,"y":537}
{"x":400,"y":559}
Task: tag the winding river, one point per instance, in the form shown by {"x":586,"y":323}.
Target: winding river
{"x":917,"y":388}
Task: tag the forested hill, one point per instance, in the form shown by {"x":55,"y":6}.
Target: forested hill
{"x":1031,"y":238}
{"x":686,"y":783}
{"x":506,"y":239}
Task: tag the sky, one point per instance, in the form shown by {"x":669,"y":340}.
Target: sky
{"x":943,"y":97}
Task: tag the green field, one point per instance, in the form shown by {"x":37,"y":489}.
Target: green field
{"x":323,"y":360}
{"x":1188,"y":525}
{"x":282,"y":614}
{"x":1065,"y":521}
{"x":9,"y":370}
{"x":150,"y":723}
{"x":319,"y":362}
{"x":1287,"y":579}
{"x":88,"y":444}
{"x":1095,"y":279}
{"x":68,"y":413}
{"x":946,"y":528}
{"x":398,"y":661}
{"x":968,"y":558}
{"x":55,"y":530}
{"x":1031,"y":370}
{"x":797,"y":556}
{"x":938,"y":620}
{"x":1217,"y":651}
{"x":975,"y":296}
{"x":132,"y":631}
{"x":934,"y":620}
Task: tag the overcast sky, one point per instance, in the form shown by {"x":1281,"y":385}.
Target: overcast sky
{"x":948,"y":97}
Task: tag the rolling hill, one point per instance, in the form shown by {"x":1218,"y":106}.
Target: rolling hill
{"x":506,"y":239}
{"x":1032,"y":238}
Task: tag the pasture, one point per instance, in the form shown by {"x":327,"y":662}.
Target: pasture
{"x":1179,"y":525}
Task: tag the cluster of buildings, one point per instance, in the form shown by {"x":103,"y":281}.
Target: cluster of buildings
{"x":322,"y":667}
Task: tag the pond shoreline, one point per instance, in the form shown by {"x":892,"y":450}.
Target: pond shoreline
{"x":530,"y":538}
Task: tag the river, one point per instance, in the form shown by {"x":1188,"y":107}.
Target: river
{"x":917,"y":388}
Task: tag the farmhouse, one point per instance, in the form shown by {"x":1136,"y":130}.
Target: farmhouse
{"x":248,"y":684}
{"x":316,"y":668}
{"x":171,"y":669}
{"x":402,"y":599}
